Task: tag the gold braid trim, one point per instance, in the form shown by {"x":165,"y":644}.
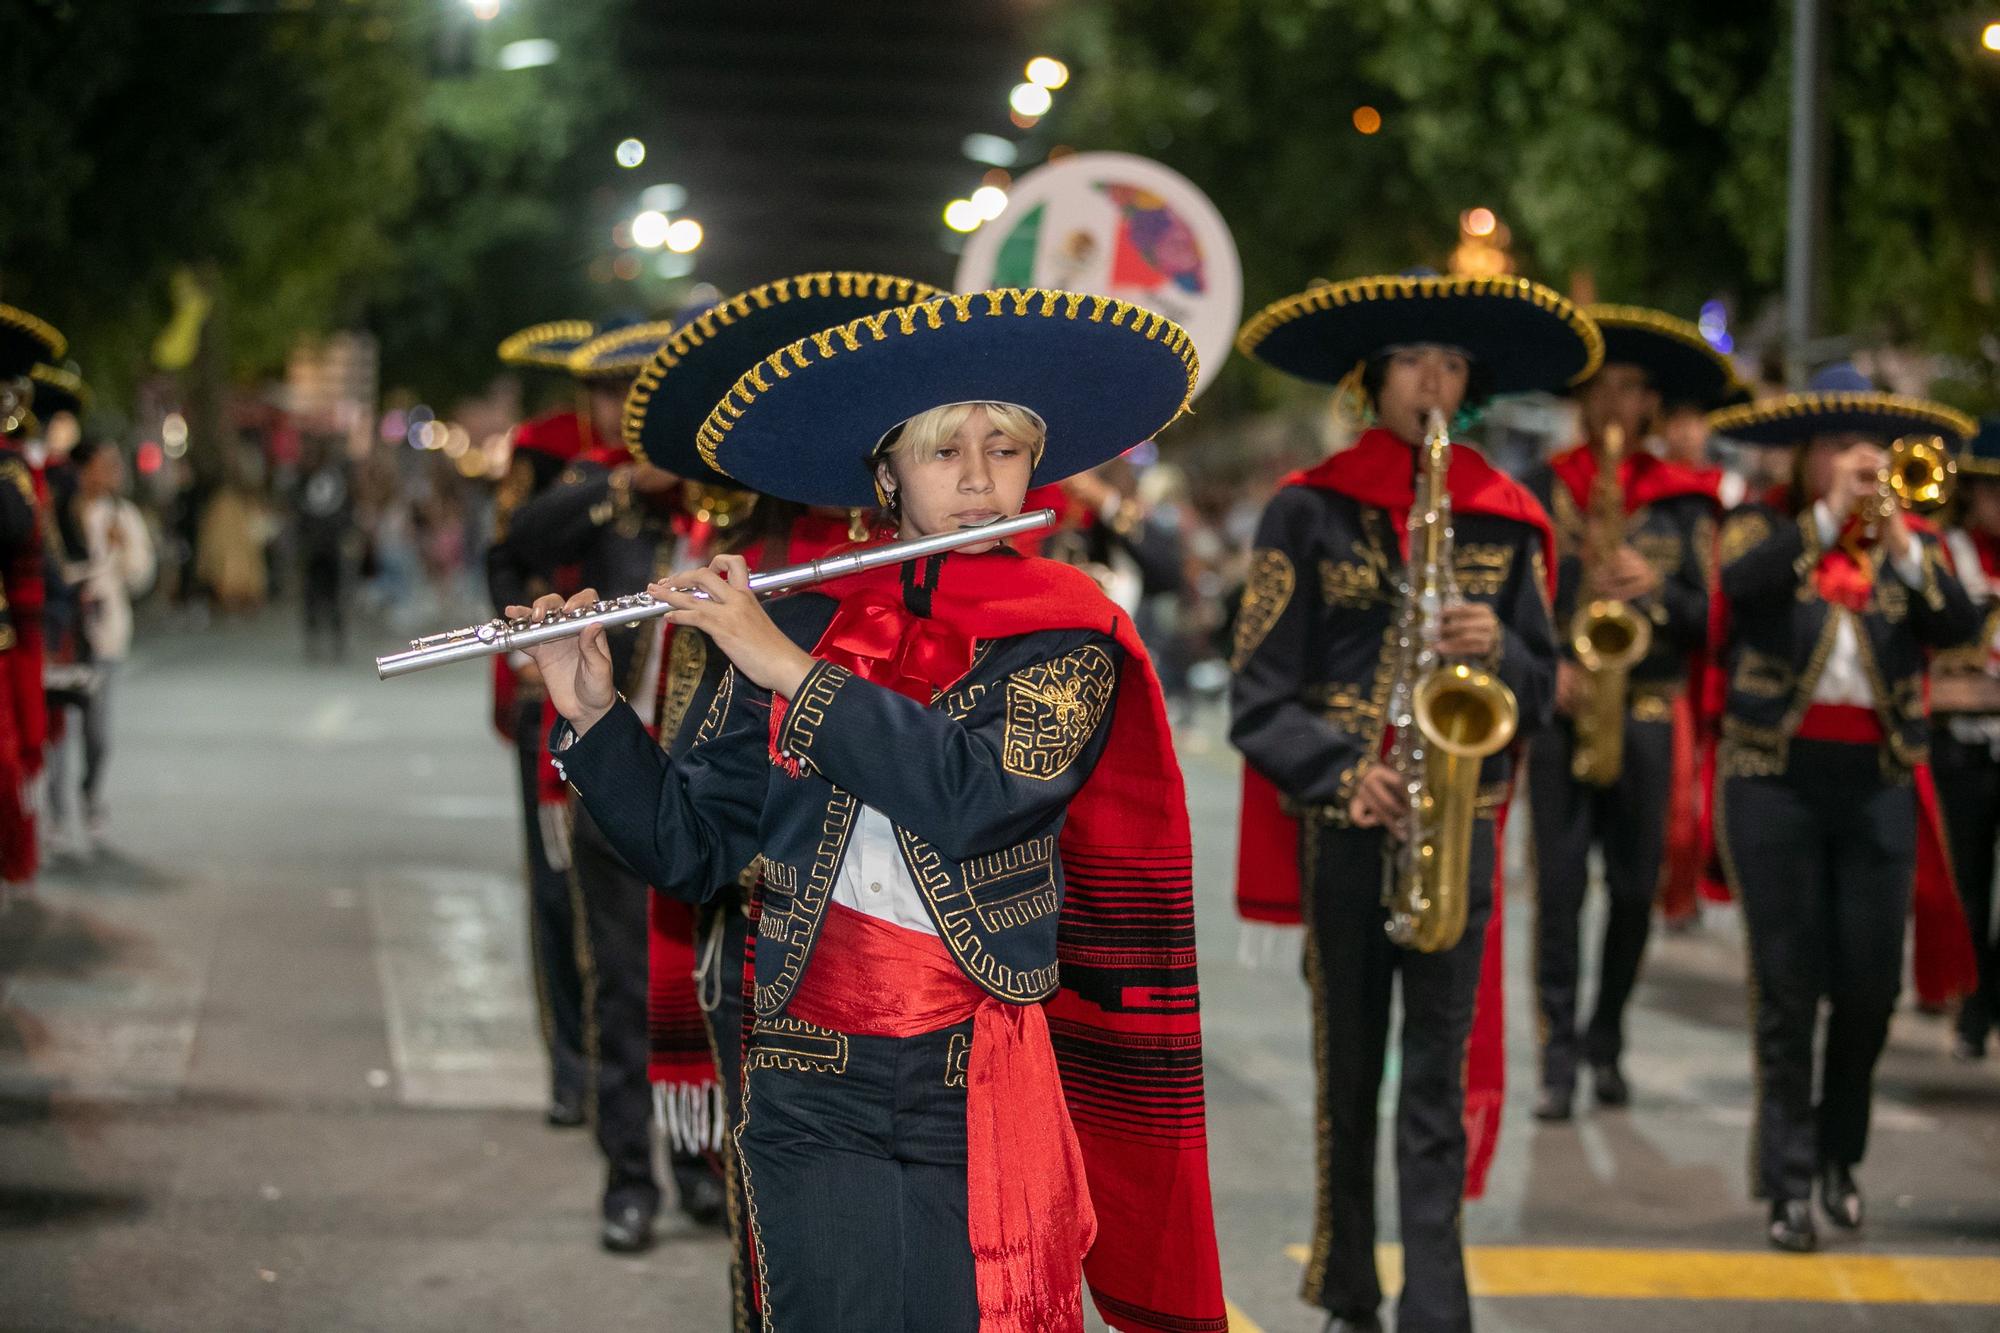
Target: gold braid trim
{"x":885,"y":287}
{"x":1265,"y":597}
{"x":619,"y":353}
{"x":525,"y":348}
{"x":37,"y":328}
{"x":1327,"y":296}
{"x":1793,"y":405}
{"x":942,"y":313}
{"x":62,"y":381}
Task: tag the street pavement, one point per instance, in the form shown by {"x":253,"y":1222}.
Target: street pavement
{"x":269,"y":1062}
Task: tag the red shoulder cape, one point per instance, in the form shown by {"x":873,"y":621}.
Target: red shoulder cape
{"x":1378,"y":470}
{"x":1643,"y":478}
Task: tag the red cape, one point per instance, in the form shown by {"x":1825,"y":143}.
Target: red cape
{"x":1943,"y":963}
{"x":1379,"y":471}
{"x":1643,"y":478}
{"x":1126,"y":1022}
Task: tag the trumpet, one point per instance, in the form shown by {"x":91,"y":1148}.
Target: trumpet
{"x":498,"y":636}
{"x":1921,"y":475}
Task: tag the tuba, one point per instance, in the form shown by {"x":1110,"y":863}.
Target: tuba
{"x":1448,"y":716}
{"x":1608,"y":637}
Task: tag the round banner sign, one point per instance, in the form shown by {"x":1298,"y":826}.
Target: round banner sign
{"x":1112,"y":224}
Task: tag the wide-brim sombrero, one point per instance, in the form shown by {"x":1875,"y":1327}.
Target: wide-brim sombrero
{"x":26,"y":340}
{"x":58,"y":390}
{"x":621,"y":353}
{"x":1796,"y":418}
{"x":1981,"y":455}
{"x":1522,"y":335}
{"x":686,"y":374}
{"x":1102,"y":374}
{"x":1681,"y":364}
{"x":546,"y":346}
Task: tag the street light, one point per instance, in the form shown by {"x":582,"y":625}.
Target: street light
{"x":649,"y":229}
{"x":1030,"y":99}
{"x":1990,"y":39}
{"x":962,"y":215}
{"x":990,"y":201}
{"x":1048,"y":72}
{"x":484,"y":10}
{"x":683,"y":236}
{"x":630,"y":153}
{"x":529,"y":53}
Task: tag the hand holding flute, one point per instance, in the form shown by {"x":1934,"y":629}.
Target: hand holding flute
{"x":715,"y":599}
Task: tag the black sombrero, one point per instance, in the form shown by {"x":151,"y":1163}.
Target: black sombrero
{"x":1840,"y":400}
{"x":58,"y":390}
{"x":26,"y":340}
{"x":620,"y":353}
{"x":688,"y":373}
{"x":1102,"y":374}
{"x":1523,"y":335}
{"x":1679,"y":362}
{"x":1981,"y":455}
{"x":546,"y":346}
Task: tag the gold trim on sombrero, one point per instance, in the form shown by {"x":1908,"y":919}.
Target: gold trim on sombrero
{"x":1002,"y":302}
{"x":1354,"y":291}
{"x":35,"y":327}
{"x":517,"y":349}
{"x":1730,"y":419}
{"x":638,"y":341}
{"x":1660,"y":322}
{"x":886,"y":287}
{"x":1978,"y":467}
{"x":66,"y":381}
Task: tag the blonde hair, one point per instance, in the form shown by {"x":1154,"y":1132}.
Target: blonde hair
{"x":926,"y":432}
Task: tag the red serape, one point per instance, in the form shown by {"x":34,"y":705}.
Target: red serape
{"x":1027,"y":1199}
{"x":1125,"y":1023}
{"x":1943,"y":963}
{"x":1379,"y":471}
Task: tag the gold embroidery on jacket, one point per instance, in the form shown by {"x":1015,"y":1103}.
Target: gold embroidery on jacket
{"x":718,"y":708}
{"x":1358,"y":582}
{"x":1053,"y":709}
{"x":1742,"y":534}
{"x":792,"y":1043}
{"x":687,"y":657}
{"x":1482,"y":568}
{"x":1265,"y":596}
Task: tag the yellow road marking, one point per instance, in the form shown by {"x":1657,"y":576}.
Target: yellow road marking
{"x":1715,"y":1275}
{"x":1238,"y":1321}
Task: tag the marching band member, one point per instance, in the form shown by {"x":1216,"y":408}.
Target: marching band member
{"x":1826,"y":603}
{"x":1315,"y":666}
{"x":941,"y":765}
{"x":1633,"y":537}
{"x":1965,"y":730}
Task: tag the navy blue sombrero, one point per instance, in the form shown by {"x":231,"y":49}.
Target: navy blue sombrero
{"x":1981,"y":455}
{"x":620,"y":353}
{"x":1680,"y":364}
{"x":1102,"y":374}
{"x":26,"y":340}
{"x":58,"y":390}
{"x":1840,"y":400}
{"x":546,"y":346}
{"x":687,"y":374}
{"x":1522,"y":335}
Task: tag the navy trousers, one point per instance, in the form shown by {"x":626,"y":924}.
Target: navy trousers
{"x":853,"y":1152}
{"x":552,"y":934}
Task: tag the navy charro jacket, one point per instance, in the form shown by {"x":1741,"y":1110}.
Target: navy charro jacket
{"x":1314,"y":645}
{"x":1781,"y":631}
{"x":977,"y":785}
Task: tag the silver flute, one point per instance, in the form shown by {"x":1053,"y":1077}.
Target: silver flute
{"x":504,"y":636}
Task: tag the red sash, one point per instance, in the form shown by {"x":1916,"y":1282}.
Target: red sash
{"x":1027,"y":1199}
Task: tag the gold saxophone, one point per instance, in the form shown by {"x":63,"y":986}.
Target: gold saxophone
{"x":1607,"y":635}
{"x":1448,"y":716}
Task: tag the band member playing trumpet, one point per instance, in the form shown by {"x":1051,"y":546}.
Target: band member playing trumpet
{"x":1828,"y":600}
{"x":1965,"y":731}
{"x":941,"y":766}
{"x":1324,"y":634}
{"x":1633,"y":536}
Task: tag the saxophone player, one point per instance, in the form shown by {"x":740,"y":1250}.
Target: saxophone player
{"x":1315,"y":658}
{"x":1633,"y":536}
{"x":1828,"y":599}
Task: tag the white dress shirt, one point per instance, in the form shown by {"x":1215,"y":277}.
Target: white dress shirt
{"x":1844,"y":680}
{"x":874,"y":879}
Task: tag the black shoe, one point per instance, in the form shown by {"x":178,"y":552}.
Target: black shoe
{"x":1792,"y":1227}
{"x":1966,"y":1050}
{"x":1337,"y":1323}
{"x":628,"y":1229}
{"x":1609,"y":1085}
{"x":702,"y":1197}
{"x":565,"y":1110}
{"x":1839,"y":1196}
{"x":1555,"y":1104}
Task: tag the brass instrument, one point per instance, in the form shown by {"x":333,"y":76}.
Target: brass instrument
{"x":504,"y":636}
{"x":1921,"y":475}
{"x":1607,"y":635}
{"x":1448,"y":716}
{"x":717,"y":505}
